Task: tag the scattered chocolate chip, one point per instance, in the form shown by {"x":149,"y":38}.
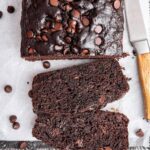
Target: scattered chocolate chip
{"x":28,"y":82}
{"x":46,"y":64}
{"x":1,"y":14}
{"x":76,"y":13}
{"x":16,"y":125}
{"x":140,"y":133}
{"x":98,"y":41}
{"x":85,"y":21}
{"x":85,"y":52}
{"x":134,"y":52}
{"x":13,"y":118}
{"x":117,"y":4}
{"x":30,"y":93}
{"x":58,"y":47}
{"x":68,"y":39}
{"x":23,"y":145}
{"x":54,"y":3}
{"x":30,"y":34}
{"x":10,"y":9}
{"x":44,"y":38}
{"x":98,"y":29}
{"x":8,"y":89}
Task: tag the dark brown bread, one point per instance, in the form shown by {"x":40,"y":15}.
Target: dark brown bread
{"x":53,"y":29}
{"x":84,"y":131}
{"x":79,"y":88}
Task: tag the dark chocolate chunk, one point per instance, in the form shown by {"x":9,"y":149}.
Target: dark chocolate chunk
{"x":11,"y":9}
{"x":30,"y":93}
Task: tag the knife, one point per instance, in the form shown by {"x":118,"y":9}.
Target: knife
{"x":139,"y":39}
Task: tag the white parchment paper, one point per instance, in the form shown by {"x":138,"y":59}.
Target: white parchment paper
{"x":17,"y":72}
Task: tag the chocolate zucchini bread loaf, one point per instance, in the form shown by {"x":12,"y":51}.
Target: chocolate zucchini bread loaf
{"x":60,"y":29}
{"x":79,"y":88}
{"x":93,"y":130}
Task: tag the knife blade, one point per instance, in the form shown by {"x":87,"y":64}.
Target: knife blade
{"x":138,"y":36}
{"x":136,"y":26}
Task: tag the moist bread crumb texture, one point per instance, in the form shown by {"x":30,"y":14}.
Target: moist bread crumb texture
{"x":67,"y":104}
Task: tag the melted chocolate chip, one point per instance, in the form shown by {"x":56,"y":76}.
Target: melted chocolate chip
{"x":140,"y":133}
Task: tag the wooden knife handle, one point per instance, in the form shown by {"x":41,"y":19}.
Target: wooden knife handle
{"x":144,"y":75}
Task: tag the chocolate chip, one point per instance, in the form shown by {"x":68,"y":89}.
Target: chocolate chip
{"x":71,"y":30}
{"x":98,"y":29}
{"x":8,"y":89}
{"x":140,"y":133}
{"x":16,"y":125}
{"x":76,"y":13}
{"x":28,"y":82}
{"x":98,"y":41}
{"x":75,"y":50}
{"x":1,"y":14}
{"x":38,"y":38}
{"x":68,"y":39}
{"x":30,"y":34}
{"x":13,"y":118}
{"x":66,"y":50}
{"x":23,"y":145}
{"x":68,"y":7}
{"x":134,"y":52}
{"x":85,"y":52}
{"x":30,"y":93}
{"x":31,"y":50}
{"x":72,"y":24}
{"x":44,"y":38}
{"x":57,"y":27}
{"x":10,"y":9}
{"x":117,"y":4}
{"x":85,"y":21}
{"x":46,"y":64}
{"x":58,"y":47}
{"x":54,"y":3}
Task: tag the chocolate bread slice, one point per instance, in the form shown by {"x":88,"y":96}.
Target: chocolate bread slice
{"x":79,"y":88}
{"x":62,"y":29}
{"x":86,"y":131}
